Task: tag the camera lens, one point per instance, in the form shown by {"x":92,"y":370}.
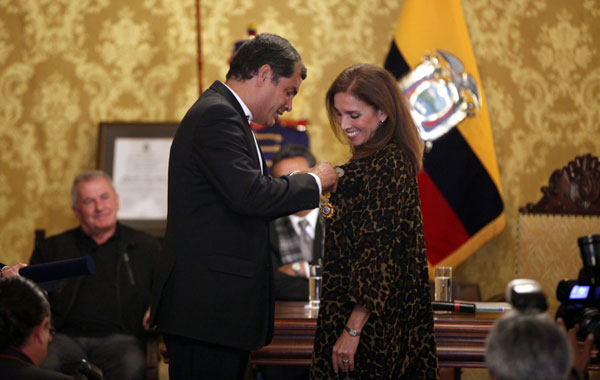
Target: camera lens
{"x":589,"y":247}
{"x":590,"y":323}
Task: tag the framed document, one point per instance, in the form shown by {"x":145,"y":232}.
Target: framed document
{"x":136,"y":156}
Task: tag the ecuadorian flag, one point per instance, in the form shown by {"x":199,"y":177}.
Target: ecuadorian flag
{"x":459,"y":185}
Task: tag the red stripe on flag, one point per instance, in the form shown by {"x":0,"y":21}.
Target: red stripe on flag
{"x":444,"y":232}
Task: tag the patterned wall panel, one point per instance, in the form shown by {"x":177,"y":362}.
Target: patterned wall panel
{"x":538,"y":64}
{"x":65,"y":66}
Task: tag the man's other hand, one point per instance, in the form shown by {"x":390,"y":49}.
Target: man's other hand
{"x":327,"y":175}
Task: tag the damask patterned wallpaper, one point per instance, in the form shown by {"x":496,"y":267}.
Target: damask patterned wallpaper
{"x":65,"y":66}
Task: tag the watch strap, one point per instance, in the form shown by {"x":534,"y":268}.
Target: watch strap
{"x":351,"y":331}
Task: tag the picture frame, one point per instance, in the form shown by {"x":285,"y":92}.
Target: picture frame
{"x":136,"y":156}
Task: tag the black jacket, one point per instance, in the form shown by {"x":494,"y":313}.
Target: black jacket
{"x":133,"y":297}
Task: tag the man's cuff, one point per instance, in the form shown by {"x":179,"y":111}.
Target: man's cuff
{"x":306,"y":269}
{"x":318,"y":182}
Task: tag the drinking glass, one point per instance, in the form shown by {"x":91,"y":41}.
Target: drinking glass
{"x":443,"y":284}
{"x":314,"y":286}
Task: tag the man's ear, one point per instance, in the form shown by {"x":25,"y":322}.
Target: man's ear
{"x":264,"y":74}
{"x":37,"y":333}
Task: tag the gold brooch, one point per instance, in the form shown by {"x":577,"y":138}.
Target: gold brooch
{"x":326,"y":207}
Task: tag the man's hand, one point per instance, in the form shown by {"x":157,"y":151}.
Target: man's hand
{"x":287,"y":269}
{"x":146,"y":320}
{"x":327,"y":175}
{"x":581,"y":353}
{"x":13,"y":270}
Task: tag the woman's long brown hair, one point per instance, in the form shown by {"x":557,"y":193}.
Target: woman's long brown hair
{"x":376,"y":87}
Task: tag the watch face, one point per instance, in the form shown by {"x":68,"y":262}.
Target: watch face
{"x":352,"y":332}
{"x":296,"y":268}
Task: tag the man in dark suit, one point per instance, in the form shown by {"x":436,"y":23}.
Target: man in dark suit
{"x":297,"y":239}
{"x":213,"y":300}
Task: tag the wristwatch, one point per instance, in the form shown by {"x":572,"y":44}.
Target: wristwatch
{"x":351,"y":331}
{"x":296,"y":268}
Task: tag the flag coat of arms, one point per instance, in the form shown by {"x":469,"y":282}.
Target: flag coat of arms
{"x":461,"y":195}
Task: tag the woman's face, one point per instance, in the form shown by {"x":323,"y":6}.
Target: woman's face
{"x":356,"y":118}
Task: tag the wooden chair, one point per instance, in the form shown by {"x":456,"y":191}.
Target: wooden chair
{"x":153,"y":340}
{"x":547,"y":231}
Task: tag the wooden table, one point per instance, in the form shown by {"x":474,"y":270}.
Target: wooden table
{"x":460,"y":338}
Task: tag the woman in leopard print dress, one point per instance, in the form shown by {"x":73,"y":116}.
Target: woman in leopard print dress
{"x":375,"y":320}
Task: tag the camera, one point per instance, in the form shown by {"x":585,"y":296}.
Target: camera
{"x":526,"y":296}
{"x":580,"y":299}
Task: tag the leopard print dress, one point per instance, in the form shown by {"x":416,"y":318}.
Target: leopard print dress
{"x":375,"y":256}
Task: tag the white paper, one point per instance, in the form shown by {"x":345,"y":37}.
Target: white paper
{"x":140,"y":172}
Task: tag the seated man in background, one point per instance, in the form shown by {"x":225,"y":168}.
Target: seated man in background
{"x":296,"y":240}
{"x":532,"y":346}
{"x":25,"y":331}
{"x":101,"y":317}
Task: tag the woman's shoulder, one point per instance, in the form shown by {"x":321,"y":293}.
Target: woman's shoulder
{"x":390,"y":156}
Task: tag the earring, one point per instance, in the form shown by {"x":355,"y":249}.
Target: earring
{"x":381,"y":122}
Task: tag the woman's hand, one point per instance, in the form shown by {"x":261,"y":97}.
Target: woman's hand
{"x":343,"y":352}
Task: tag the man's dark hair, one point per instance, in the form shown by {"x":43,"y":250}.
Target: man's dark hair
{"x":23,"y":306}
{"x":294,"y":150}
{"x":265,"y":49}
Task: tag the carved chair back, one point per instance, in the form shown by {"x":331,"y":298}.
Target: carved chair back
{"x":547,"y":231}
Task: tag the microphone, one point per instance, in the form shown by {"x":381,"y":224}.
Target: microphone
{"x":463,"y":307}
{"x":57,"y":270}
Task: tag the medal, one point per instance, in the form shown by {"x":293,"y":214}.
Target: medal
{"x":326,"y":207}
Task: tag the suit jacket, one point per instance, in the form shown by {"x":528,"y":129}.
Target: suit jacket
{"x":292,"y":287}
{"x":214,"y":282}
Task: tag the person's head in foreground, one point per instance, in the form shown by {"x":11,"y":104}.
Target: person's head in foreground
{"x":528,"y":346}
{"x":24,"y":318}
